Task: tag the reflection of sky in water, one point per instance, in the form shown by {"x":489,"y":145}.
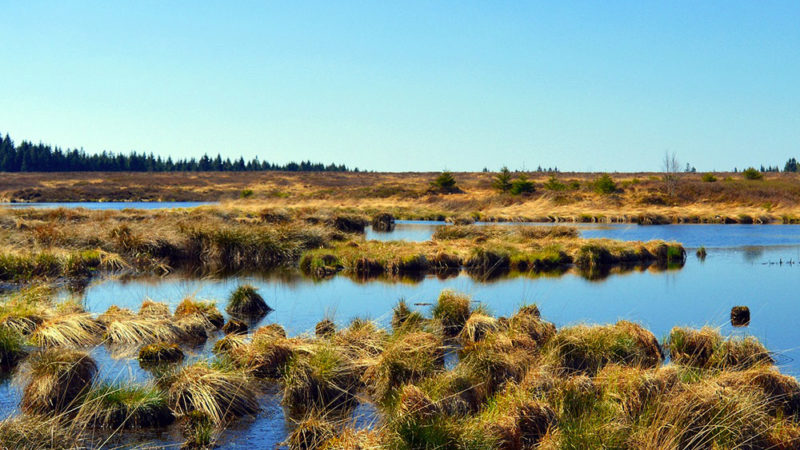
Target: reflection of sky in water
{"x":691,"y":236}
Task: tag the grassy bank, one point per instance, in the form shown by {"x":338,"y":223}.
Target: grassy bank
{"x":489,"y":251}
{"x":567,"y":197}
{"x":78,"y":243}
{"x":516,"y":382}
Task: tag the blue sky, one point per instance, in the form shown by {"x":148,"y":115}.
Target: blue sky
{"x":409,"y":85}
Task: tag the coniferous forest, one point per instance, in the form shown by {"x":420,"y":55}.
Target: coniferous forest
{"x":29,"y":157}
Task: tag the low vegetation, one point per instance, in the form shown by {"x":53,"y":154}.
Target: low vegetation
{"x":512,"y":382}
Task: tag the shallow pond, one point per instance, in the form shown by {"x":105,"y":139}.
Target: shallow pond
{"x":691,"y":236}
{"x":753,"y":265}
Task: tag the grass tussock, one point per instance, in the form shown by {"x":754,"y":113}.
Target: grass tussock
{"x":217,"y":392}
{"x":113,"y":407}
{"x":34,"y":432}
{"x":320,"y":379}
{"x":160,"y":353}
{"x":11,"y":348}
{"x":246,"y":302}
{"x":140,"y":331}
{"x":707,"y":349}
{"x":56,"y":377}
{"x":69,"y":330}
{"x":452,"y":310}
{"x":189,"y":307}
{"x":587,"y":349}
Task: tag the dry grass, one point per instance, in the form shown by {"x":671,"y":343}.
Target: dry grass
{"x":55,"y":379}
{"x":70,"y":330}
{"x":217,"y":392}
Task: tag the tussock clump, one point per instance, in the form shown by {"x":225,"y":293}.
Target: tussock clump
{"x":404,"y":319}
{"x":227,"y":344}
{"x":322,"y":379}
{"x":325,"y":328}
{"x":159,"y":353}
{"x":408,"y":358}
{"x":57,"y":377}
{"x":414,"y":402}
{"x":349,"y":223}
{"x":266,"y":355}
{"x":208,"y":310}
{"x":154,"y":310}
{"x":216,"y":392}
{"x":493,"y":362}
{"x":35,"y":432}
{"x":310,"y":433}
{"x":234,"y":326}
{"x":26,"y":309}
{"x":452,"y":310}
{"x":781,"y":392}
{"x":635,"y":389}
{"x":68,"y":330}
{"x":272,"y":329}
{"x":706,"y":415}
{"x":706,"y":349}
{"x":193,"y":329}
{"x":383,"y":222}
{"x":587,"y":349}
{"x":246,"y":302}
{"x":140,"y":331}
{"x":11,"y":350}
{"x":523,"y":425}
{"x":527,"y":322}
{"x":115,"y":313}
{"x":477,"y":327}
{"x":118,"y":406}
{"x":362,"y":341}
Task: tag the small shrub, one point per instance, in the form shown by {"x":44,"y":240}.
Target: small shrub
{"x":502,"y":181}
{"x":752,"y":174}
{"x":522,"y":185}
{"x":552,"y":184}
{"x":709,"y":177}
{"x":246,"y":193}
{"x":604,"y":185}
{"x":445,"y":183}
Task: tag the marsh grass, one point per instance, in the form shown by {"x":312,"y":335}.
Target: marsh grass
{"x":707,"y":349}
{"x":34,"y":432}
{"x":113,"y":407}
{"x":55,"y":379}
{"x":320,"y":379}
{"x":11,"y":348}
{"x":218,"y":392}
{"x":246,"y":302}
{"x":587,"y":349}
{"x":452,"y":310}
{"x":189,"y":307}
{"x":70,"y":330}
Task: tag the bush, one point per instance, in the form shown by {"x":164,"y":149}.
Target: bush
{"x":522,"y":185}
{"x":502,"y":181}
{"x":709,"y":177}
{"x":605,"y":185}
{"x":445,"y":183}
{"x":553,"y":184}
{"x":752,"y":174}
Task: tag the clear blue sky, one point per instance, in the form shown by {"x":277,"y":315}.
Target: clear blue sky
{"x":410,"y":86}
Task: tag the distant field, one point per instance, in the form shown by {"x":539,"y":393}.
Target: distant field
{"x":573,"y":196}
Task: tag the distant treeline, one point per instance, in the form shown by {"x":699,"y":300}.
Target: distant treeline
{"x":29,"y":157}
